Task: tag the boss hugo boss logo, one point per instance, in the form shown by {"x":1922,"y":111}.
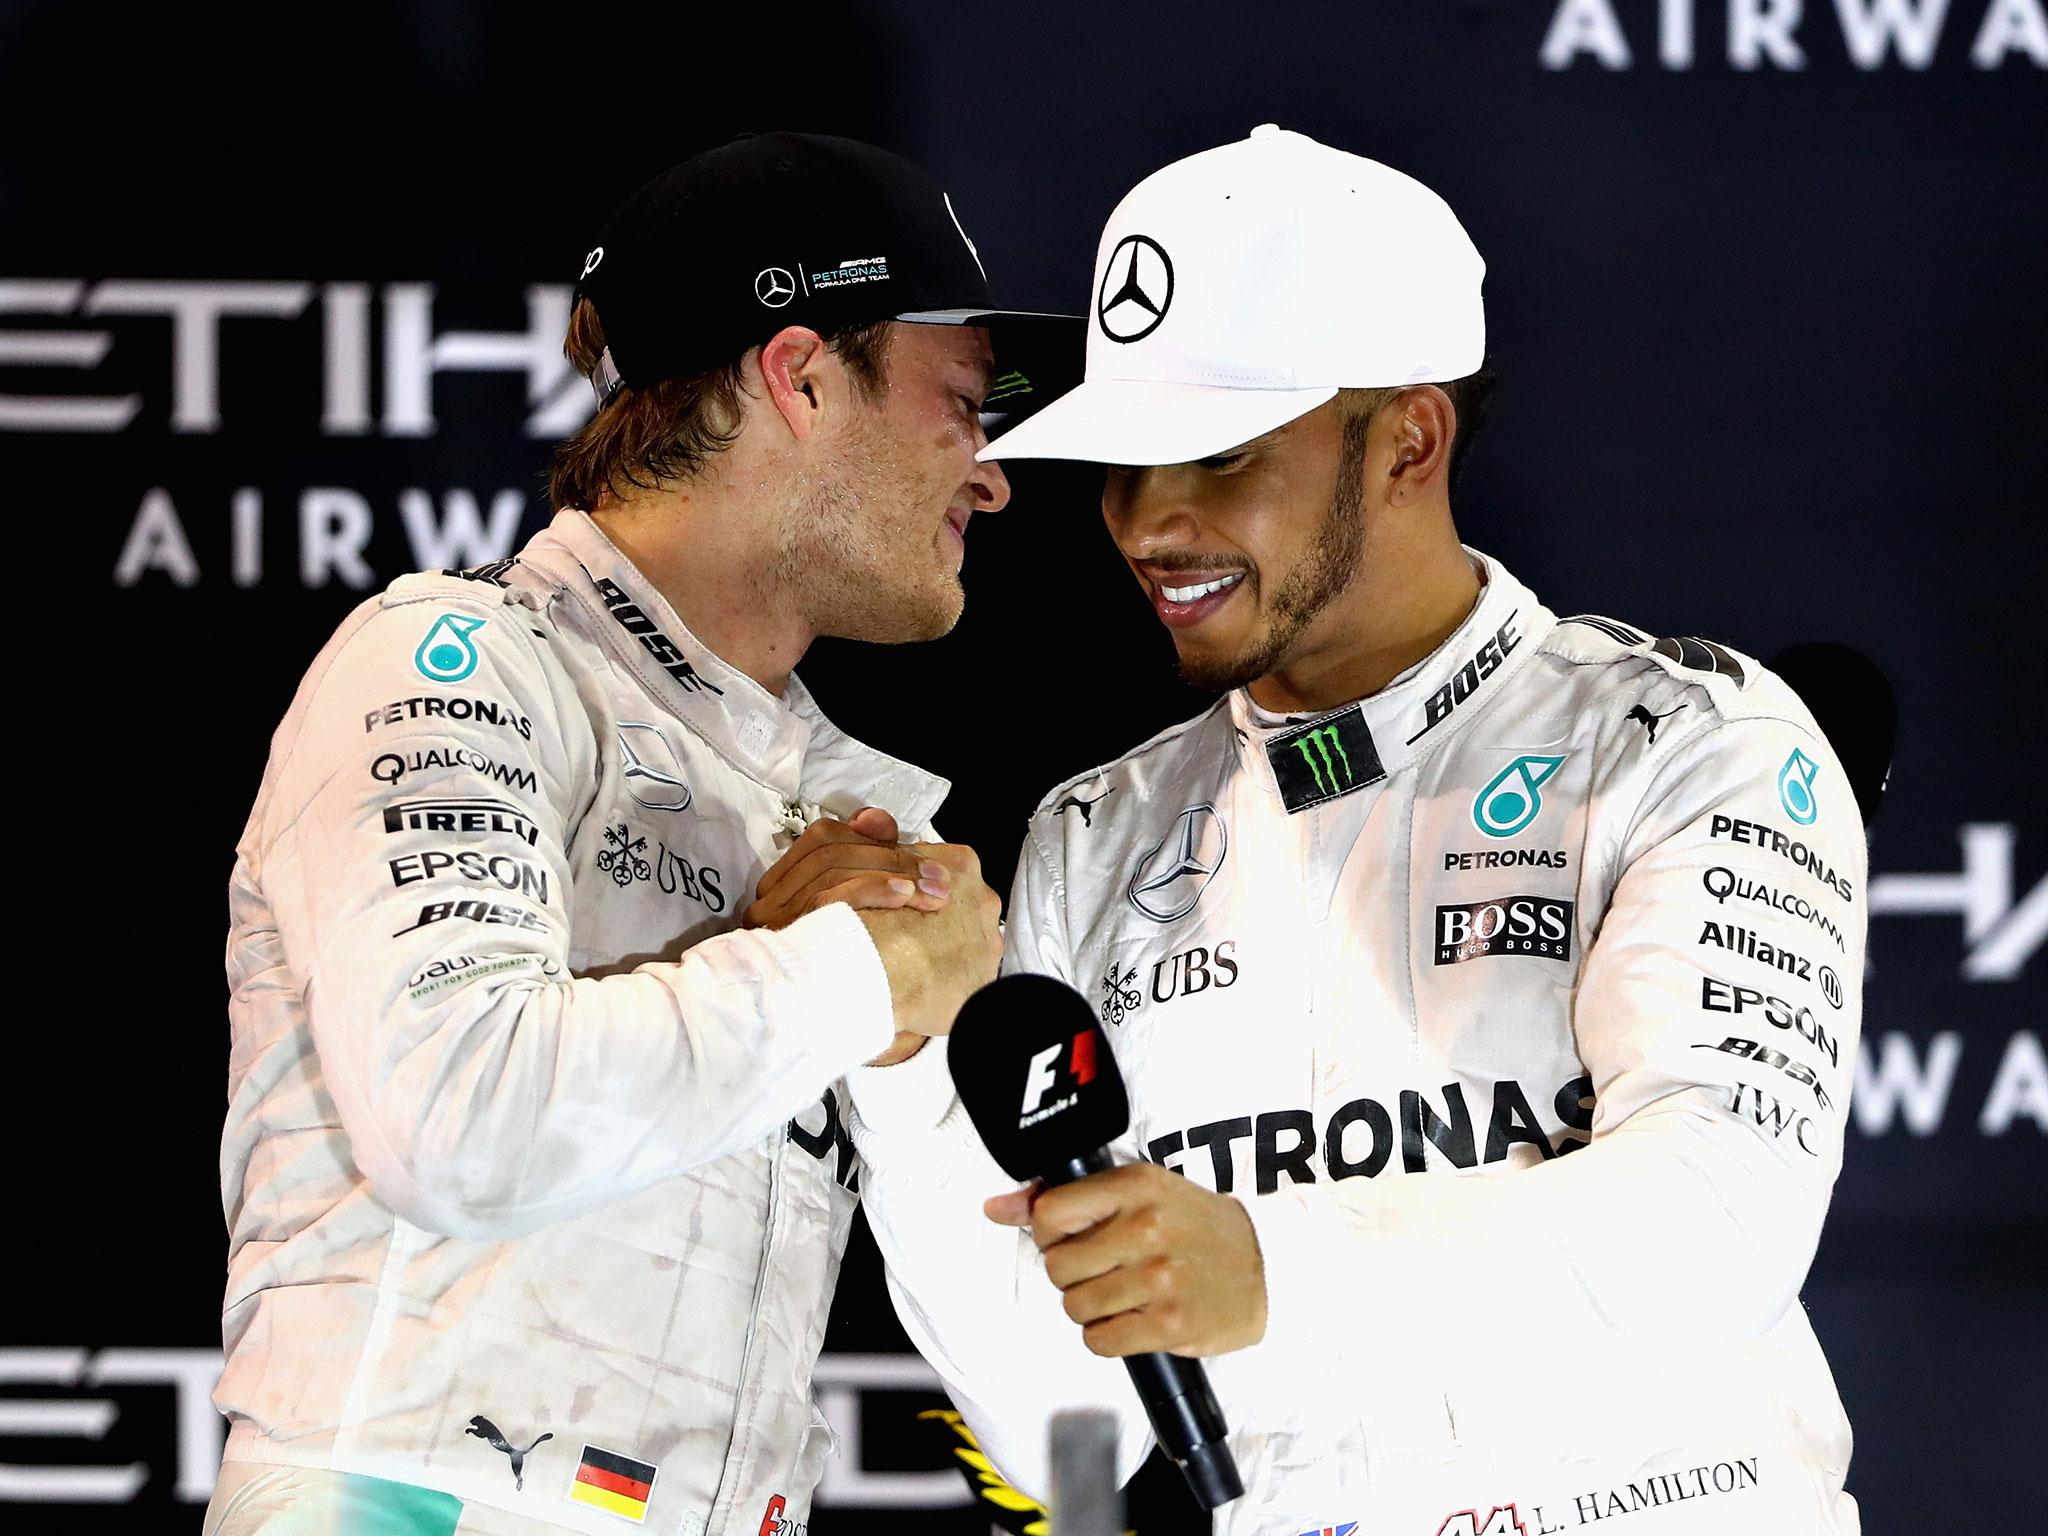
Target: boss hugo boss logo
{"x":1511,"y":925}
{"x":1137,"y":289}
{"x":1171,"y":878}
{"x":774,"y":287}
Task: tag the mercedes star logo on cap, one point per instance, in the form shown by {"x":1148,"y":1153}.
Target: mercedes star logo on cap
{"x":1137,"y":287}
{"x":774,"y":287}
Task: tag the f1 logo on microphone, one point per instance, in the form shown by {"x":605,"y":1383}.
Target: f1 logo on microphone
{"x":1042,"y":1076}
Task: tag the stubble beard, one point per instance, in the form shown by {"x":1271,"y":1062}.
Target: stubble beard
{"x":1316,"y":580}
{"x":851,"y":562}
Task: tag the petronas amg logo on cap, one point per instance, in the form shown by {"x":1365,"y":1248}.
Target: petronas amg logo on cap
{"x":1137,"y":288}
{"x":1324,"y":759}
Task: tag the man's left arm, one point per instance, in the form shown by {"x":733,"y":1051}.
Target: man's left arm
{"x":1721,"y":1084}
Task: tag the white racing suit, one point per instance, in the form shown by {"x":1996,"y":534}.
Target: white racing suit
{"x":1518,"y":1004}
{"x":535,"y":1167}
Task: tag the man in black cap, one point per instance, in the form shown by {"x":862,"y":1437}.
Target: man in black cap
{"x":536,"y":1167}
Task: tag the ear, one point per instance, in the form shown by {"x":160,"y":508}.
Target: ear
{"x":1421,"y":422}
{"x":793,"y":367}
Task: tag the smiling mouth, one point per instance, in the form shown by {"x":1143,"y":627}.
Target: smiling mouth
{"x":1199,"y":590}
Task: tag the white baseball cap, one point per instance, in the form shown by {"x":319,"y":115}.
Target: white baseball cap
{"x":1244,"y":286}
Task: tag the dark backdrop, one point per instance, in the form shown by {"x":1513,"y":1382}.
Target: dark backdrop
{"x":1768,"y":315}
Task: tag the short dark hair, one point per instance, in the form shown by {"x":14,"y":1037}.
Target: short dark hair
{"x":1470,"y":397}
{"x":665,"y":432}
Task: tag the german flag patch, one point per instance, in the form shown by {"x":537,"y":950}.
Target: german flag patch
{"x":617,"y":1484}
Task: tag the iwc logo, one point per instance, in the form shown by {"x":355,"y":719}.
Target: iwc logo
{"x":774,"y":287}
{"x":1171,"y":878}
{"x":1137,"y":288}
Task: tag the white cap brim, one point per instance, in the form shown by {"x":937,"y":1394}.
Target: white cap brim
{"x":1142,"y":421}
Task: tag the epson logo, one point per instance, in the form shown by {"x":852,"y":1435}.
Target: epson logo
{"x":1511,"y":925}
{"x":1718,"y":996}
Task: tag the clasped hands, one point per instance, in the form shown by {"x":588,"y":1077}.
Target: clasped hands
{"x":1145,"y":1259}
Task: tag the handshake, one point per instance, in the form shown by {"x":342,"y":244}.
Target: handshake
{"x":931,"y":915}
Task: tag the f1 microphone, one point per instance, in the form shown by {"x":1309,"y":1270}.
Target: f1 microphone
{"x":1036,"y":1076}
{"x":1854,"y":707}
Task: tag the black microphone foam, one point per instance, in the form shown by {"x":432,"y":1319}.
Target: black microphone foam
{"x":1036,"y":1076}
{"x":1854,"y":707}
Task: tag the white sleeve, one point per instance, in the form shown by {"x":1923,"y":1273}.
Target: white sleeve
{"x":485,"y":1091}
{"x":974,"y":1296}
{"x":1720,"y":1090}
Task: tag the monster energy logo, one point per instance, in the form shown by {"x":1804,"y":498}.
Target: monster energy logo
{"x":1317,"y":745}
{"x":1321,"y":760}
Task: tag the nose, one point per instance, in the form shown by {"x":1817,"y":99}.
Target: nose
{"x":1143,"y":514}
{"x":990,"y":486}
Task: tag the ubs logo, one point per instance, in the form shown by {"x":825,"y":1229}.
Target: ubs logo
{"x":1136,"y":291}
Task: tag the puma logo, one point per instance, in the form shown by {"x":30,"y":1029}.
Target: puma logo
{"x":489,"y":1433}
{"x":1085,"y":807}
{"x":1642,"y":716}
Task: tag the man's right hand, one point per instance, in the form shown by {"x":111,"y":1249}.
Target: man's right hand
{"x":935,"y":959}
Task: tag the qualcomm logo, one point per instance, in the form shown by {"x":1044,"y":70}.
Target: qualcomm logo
{"x":1512,"y":799}
{"x":1171,"y":878}
{"x":2002,"y":935}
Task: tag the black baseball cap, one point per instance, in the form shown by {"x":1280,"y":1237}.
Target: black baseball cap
{"x":717,"y":254}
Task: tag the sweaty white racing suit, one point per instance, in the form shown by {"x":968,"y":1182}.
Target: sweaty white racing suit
{"x":1518,"y":1004}
{"x":535,"y":1165}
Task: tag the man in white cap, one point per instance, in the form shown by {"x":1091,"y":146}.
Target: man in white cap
{"x":1443,"y":889}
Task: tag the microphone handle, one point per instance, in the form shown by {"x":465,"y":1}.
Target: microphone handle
{"x":1185,"y":1417}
